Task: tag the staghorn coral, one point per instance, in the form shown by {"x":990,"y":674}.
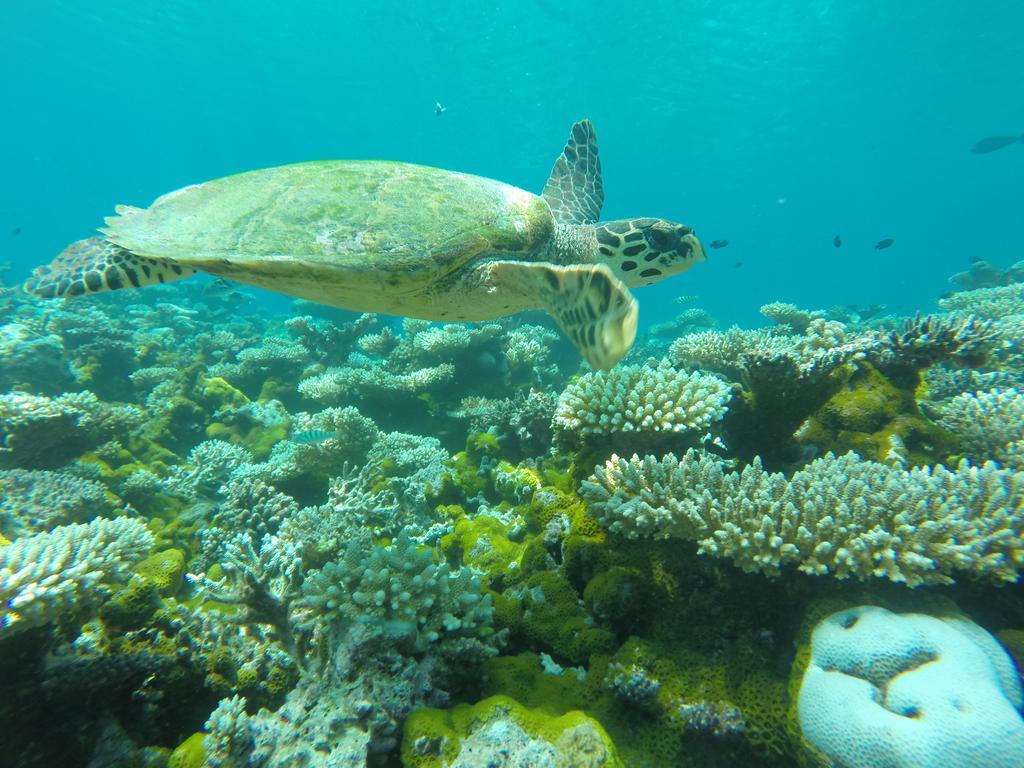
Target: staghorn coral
{"x":945,"y":383}
{"x":327,"y":341}
{"x":990,"y":425}
{"x":35,"y":501}
{"x":640,"y":398}
{"x":844,"y":516}
{"x":414,"y":467}
{"x":789,"y":317}
{"x":784,"y":379}
{"x":354,"y":509}
{"x":209,"y":466}
{"x":263,"y":583}
{"x":46,"y":574}
{"x":920,"y":342}
{"x":335,"y":384}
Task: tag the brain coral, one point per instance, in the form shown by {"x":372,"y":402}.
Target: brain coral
{"x":910,"y":691}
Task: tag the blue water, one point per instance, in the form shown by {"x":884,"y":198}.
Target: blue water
{"x":772,"y":124}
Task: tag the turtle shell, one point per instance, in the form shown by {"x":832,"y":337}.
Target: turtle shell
{"x":385,"y":223}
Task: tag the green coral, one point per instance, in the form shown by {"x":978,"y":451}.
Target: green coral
{"x":189,"y":754}
{"x":132,"y":606}
{"x":554,"y":618}
{"x":433,"y":738}
{"x":879,"y":420}
{"x":165,"y":569}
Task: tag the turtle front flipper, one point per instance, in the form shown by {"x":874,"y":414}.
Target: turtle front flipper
{"x":593,"y":307}
{"x":95,"y":265}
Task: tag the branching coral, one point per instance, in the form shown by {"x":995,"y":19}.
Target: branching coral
{"x":39,"y":432}
{"x":46,"y":574}
{"x":993,"y":303}
{"x":34,"y":501}
{"x":403,"y":592}
{"x":989,"y":424}
{"x":920,"y":342}
{"x":841,"y":516}
{"x":641,"y":398}
{"x":209,"y":465}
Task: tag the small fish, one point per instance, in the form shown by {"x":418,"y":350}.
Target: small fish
{"x":837,"y":241}
{"x":974,"y":259}
{"x":883,"y":244}
{"x":737,"y":265}
{"x":992,"y":143}
{"x":439,"y":108}
{"x":16,"y":231}
{"x":219,"y":285}
{"x":312,"y":436}
{"x":719,"y":243}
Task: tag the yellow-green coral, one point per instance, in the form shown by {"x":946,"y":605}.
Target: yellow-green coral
{"x":165,"y":569}
{"x":483,"y":543}
{"x":433,"y":738}
{"x":189,"y":754}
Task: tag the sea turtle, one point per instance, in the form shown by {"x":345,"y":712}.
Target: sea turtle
{"x":377,"y":236}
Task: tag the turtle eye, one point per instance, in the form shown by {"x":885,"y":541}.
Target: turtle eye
{"x":660,"y":239}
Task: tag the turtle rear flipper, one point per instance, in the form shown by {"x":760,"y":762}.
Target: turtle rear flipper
{"x":95,"y":265}
{"x":592,"y":306}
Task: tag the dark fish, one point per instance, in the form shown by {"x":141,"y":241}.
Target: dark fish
{"x":992,"y":143}
{"x":311,"y":436}
{"x":719,"y":243}
{"x":219,"y":285}
{"x":737,"y":265}
{"x":974,"y":259}
{"x":883,"y":244}
{"x":16,"y":231}
{"x":837,"y":241}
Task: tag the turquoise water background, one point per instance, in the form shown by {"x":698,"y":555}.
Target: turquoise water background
{"x":774,"y":124}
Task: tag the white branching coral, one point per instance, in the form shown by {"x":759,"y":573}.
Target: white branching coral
{"x":641,"y":398}
{"x":989,"y":424}
{"x":43,"y":575}
{"x":844,"y":516}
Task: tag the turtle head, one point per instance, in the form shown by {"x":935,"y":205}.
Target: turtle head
{"x":644,"y":251}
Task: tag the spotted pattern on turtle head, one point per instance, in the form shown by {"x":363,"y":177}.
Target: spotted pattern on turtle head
{"x":643,"y":251}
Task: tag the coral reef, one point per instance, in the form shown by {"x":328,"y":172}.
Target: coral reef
{"x":367,"y":539}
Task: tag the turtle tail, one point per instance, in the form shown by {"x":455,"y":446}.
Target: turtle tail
{"x":95,"y":265}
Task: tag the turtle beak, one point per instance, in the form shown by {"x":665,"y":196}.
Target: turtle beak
{"x":697,"y":252}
